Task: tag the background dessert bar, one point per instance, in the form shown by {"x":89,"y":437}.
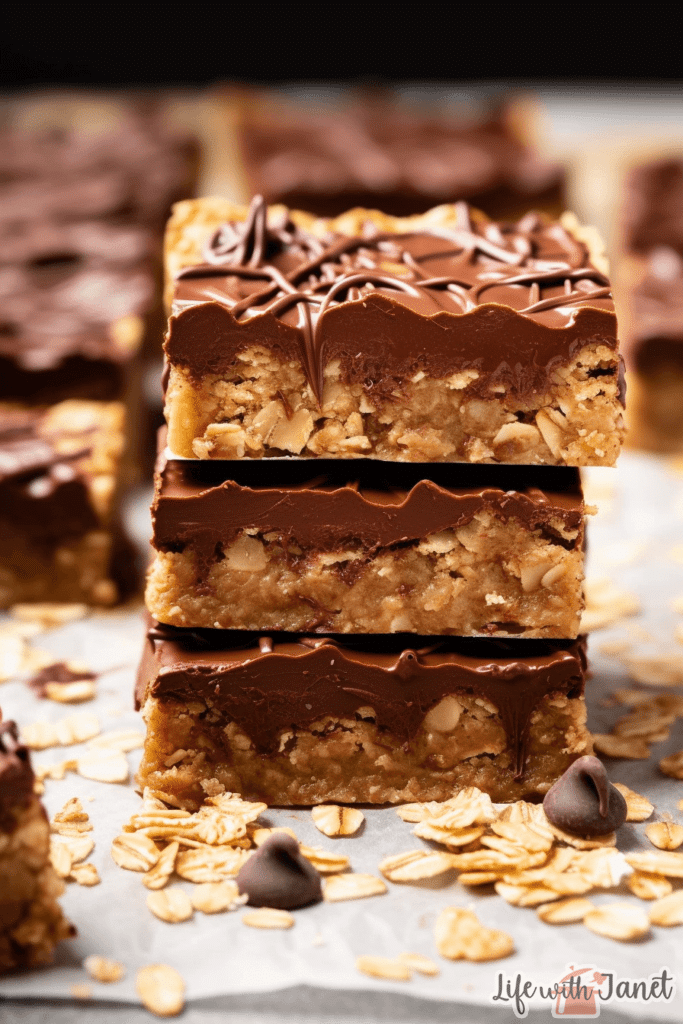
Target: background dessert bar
{"x":380,"y":151}
{"x":31,"y":921}
{"x":59,"y":475}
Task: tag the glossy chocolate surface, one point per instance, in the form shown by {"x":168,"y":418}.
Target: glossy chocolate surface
{"x":511,"y":301}
{"x":270,"y":684}
{"x":382,"y":153}
{"x":42,"y":492}
{"x":202,"y":504}
{"x":16,"y":774}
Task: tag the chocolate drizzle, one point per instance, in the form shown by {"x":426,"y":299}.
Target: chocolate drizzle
{"x":288,"y":279}
{"x":304,"y":679}
{"x":16,"y":774}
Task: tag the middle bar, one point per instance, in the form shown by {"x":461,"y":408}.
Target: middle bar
{"x":368,"y":548}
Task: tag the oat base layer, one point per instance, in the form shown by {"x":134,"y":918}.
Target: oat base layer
{"x":266,"y":408}
{"x":488,"y":577}
{"x":461,"y":743}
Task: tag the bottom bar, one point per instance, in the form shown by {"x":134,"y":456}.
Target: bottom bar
{"x":294,"y":719}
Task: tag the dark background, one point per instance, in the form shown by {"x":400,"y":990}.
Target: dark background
{"x":159,"y":44}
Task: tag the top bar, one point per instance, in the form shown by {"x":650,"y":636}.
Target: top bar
{"x":443,"y":337}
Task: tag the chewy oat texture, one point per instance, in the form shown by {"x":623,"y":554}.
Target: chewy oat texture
{"x":437,"y":338}
{"x":303,"y":720}
{"x":473,"y":550}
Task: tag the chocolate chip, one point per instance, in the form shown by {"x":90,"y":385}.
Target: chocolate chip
{"x":279,"y":876}
{"x":583,"y":801}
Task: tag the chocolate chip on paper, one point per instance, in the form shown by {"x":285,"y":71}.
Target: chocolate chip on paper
{"x":277,"y":875}
{"x":583,"y":801}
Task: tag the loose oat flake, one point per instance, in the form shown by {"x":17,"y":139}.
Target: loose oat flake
{"x":633,"y":749}
{"x":215,"y":897}
{"x":134,"y":852}
{"x":85,"y":874}
{"x":620,"y":921}
{"x":332,"y":820}
{"x":665,"y":835}
{"x":638,"y":808}
{"x":161,"y":990}
{"x":415,"y":865}
{"x":64,"y":733}
{"x":268,"y":917}
{"x":459,"y":935}
{"x":323,"y":861}
{"x":647,"y":886}
{"x":657,"y":862}
{"x":101,"y":968}
{"x":210,"y":864}
{"x":668,"y":911}
{"x":171,"y":905}
{"x":420,"y":963}
{"x":569,"y":911}
{"x":352,"y":887}
{"x":672,"y":765}
{"x":158,"y":876}
{"x":383,"y":967}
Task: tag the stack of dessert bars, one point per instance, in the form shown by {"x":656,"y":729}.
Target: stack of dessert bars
{"x":368,"y":518}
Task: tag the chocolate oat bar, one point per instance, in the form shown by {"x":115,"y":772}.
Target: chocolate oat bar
{"x":31,"y":921}
{"x":368,"y":548}
{"x":302,"y":720}
{"x":438,"y":338}
{"x":652,"y":314}
{"x":376,"y":150}
{"x":74,"y":298}
{"x":58,"y":488}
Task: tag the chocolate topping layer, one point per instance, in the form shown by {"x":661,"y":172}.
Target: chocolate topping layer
{"x":16,"y":774}
{"x":203,"y":504}
{"x":379,"y":152}
{"x":41,"y":490}
{"x":129,"y":175}
{"x":654,"y":336}
{"x":512,"y":301}
{"x":62,"y":287}
{"x":652,"y":211}
{"x":271,"y":684}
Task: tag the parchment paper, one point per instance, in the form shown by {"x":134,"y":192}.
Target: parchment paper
{"x":218,"y":955}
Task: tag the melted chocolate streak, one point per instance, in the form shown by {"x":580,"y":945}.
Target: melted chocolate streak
{"x":329,"y":280}
{"x":273,"y":685}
